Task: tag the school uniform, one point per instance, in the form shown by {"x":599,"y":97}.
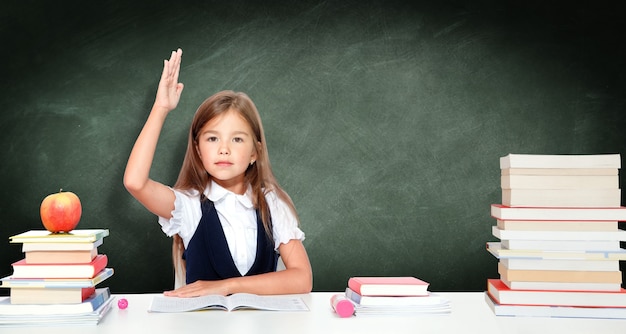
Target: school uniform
{"x":223,"y":235}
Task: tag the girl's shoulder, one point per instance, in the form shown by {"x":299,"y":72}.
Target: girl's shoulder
{"x":271,"y":196}
{"x":277,"y":202}
{"x":187,"y":194}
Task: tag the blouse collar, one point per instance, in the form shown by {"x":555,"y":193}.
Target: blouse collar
{"x":215,"y":193}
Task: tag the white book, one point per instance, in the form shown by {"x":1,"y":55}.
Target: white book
{"x":557,"y":225}
{"x":54,"y":283}
{"x":555,"y":311}
{"x":619,"y":235}
{"x":563,"y":286}
{"x":495,"y":248}
{"x":397,"y":301}
{"x":562,"y":245}
{"x":500,"y":211}
{"x":503,"y":295}
{"x":57,"y":246}
{"x":560,"y":161}
{"x":559,"y":171}
{"x":101,"y":297}
{"x":562,"y":197}
{"x":559,"y":181}
{"x":566,"y":265}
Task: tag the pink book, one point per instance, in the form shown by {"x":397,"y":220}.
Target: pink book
{"x":86,"y":270}
{"x":388,"y":286}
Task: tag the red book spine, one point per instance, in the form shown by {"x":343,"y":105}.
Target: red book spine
{"x":87,"y":292}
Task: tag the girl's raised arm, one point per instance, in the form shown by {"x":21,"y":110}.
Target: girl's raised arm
{"x":155,"y":196}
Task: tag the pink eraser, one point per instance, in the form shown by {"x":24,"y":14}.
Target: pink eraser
{"x":342,"y":306}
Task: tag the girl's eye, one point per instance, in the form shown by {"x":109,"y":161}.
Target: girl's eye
{"x":211,"y":139}
{"x":238,"y":140}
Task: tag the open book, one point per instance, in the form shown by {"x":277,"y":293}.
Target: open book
{"x":233,"y":302}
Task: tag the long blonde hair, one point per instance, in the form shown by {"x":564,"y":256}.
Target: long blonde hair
{"x":259,"y":175}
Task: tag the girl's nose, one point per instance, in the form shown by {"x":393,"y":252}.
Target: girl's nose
{"x":224,"y":149}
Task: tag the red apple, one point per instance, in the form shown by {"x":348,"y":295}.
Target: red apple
{"x":60,"y":212}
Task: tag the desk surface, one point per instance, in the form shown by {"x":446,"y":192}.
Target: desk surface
{"x":470,"y":314}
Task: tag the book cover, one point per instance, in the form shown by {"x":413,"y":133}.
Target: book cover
{"x":52,"y":283}
{"x":164,"y":304}
{"x":559,"y":181}
{"x":23,"y":270}
{"x":495,"y":248}
{"x":388,"y":286}
{"x":23,"y":295}
{"x":560,"y":161}
{"x":570,"y":276}
{"x":60,"y":257}
{"x":555,"y":311}
{"x":91,"y":304}
{"x":503,"y":212}
{"x":597,"y":198}
{"x":504,"y":295}
{"x":44,"y":236}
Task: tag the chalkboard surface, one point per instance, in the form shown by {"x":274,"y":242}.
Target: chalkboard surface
{"x":385,"y":120}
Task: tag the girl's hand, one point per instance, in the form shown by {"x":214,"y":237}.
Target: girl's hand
{"x":168,"y":93}
{"x":200,"y":288}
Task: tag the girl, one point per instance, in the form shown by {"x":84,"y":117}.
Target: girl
{"x":226,"y":213}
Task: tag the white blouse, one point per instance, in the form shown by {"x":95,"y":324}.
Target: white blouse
{"x":238,"y":218}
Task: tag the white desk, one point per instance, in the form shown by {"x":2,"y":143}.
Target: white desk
{"x":470,"y":314}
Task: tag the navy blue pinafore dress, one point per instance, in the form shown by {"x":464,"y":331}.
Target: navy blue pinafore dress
{"x":208,"y":257}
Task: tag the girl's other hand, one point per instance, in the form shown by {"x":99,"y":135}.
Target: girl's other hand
{"x":168,"y":93}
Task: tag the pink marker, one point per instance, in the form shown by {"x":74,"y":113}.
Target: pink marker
{"x":342,"y":306}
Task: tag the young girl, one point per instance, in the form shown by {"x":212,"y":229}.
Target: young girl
{"x":227,"y":214}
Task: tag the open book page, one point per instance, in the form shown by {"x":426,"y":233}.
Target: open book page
{"x":270,"y":303}
{"x":162,"y":303}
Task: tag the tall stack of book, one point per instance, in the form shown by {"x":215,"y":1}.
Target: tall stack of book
{"x":394,"y":296}
{"x":57,"y":279}
{"x":559,"y":248}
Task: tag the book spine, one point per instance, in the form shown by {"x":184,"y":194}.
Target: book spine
{"x":101,"y":296}
{"x":354,"y":285}
{"x":353,"y":296}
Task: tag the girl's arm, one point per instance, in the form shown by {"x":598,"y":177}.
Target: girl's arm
{"x":296,"y":278}
{"x":156,"y":197}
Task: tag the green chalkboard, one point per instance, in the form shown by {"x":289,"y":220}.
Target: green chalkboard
{"x":385,"y":120}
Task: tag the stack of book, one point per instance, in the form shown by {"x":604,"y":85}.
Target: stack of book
{"x":57,"y":279}
{"x":394,"y":296}
{"x":559,"y":248}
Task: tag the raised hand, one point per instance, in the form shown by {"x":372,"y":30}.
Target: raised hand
{"x":168,"y":93}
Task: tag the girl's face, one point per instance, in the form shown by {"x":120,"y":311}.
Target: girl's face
{"x":227,"y":147}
